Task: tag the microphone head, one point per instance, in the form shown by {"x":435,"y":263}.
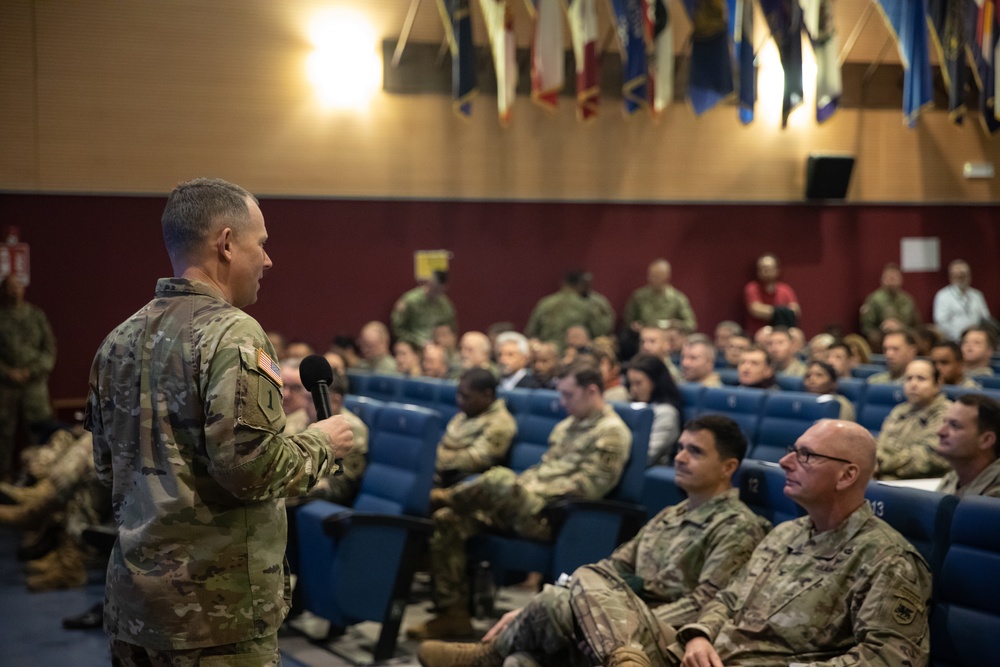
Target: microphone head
{"x":313,"y":370}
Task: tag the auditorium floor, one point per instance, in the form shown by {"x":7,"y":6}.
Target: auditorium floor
{"x":31,"y":633}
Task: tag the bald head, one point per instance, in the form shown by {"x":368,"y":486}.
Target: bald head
{"x":474,"y":349}
{"x":850,"y":441}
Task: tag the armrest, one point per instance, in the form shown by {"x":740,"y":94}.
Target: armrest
{"x":338,"y":524}
{"x":559,"y":510}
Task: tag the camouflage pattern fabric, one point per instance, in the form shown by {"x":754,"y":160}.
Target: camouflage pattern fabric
{"x":882,"y":305}
{"x":557,"y":312}
{"x":26,"y":342}
{"x":474,"y":444}
{"x":385,"y":365}
{"x":415,"y":315}
{"x":986,"y":483}
{"x":884,"y":377}
{"x":660,"y":308}
{"x":342,"y":488}
{"x":907,"y":440}
{"x":796,"y":368}
{"x":262,"y":652}
{"x":185,"y":410}
{"x":854,"y":595}
{"x":585,"y":459}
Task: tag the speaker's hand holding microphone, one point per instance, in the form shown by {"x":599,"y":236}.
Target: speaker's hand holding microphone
{"x":316,"y":377}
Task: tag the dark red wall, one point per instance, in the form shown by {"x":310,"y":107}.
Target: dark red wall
{"x":338,"y":264}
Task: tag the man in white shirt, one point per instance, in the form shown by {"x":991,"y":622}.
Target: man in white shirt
{"x":959,"y":306}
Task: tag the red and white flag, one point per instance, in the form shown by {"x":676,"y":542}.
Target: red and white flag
{"x":547,"y":59}
{"x":583,"y":26}
{"x":499,"y":16}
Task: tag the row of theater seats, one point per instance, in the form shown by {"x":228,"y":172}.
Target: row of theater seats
{"x":959,"y":539}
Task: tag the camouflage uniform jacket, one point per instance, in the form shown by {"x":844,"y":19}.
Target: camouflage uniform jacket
{"x":185,"y":410}
{"x":795,"y":368}
{"x":854,"y":595}
{"x":26,"y":341}
{"x":883,"y":304}
{"x":684,"y":557}
{"x":907,"y":440}
{"x":557,"y":312}
{"x":986,"y":483}
{"x":885,"y":377}
{"x":474,"y":444}
{"x":340,"y":488}
{"x":585,"y":459}
{"x":415,"y":315}
{"x":660,"y":308}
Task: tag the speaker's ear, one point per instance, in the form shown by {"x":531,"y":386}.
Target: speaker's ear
{"x":827,"y":175}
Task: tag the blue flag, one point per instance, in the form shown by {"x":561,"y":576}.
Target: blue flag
{"x":908,"y":21}
{"x":982,"y":32}
{"x":463,"y":55}
{"x":947,"y":22}
{"x":784,"y":17}
{"x":631,"y":31}
{"x":741,"y":28}
{"x":711,"y":55}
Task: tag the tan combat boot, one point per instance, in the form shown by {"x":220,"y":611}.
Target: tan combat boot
{"x":68,"y":570}
{"x":445,"y":654}
{"x":46,"y":562}
{"x":625,"y":656}
{"x":453,"y":622}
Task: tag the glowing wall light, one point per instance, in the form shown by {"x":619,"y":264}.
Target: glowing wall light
{"x":345,"y":68}
{"x":771,"y":87}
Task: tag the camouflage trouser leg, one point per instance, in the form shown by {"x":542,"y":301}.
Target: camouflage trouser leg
{"x":494,"y":499}
{"x":542,"y":633}
{"x":610,"y":615}
{"x":19,"y":408}
{"x":261,"y":652}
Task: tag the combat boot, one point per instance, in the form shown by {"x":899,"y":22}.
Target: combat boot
{"x":625,"y":656}
{"x":452,"y":622}
{"x":46,"y":562}
{"x":445,"y":654}
{"x":68,"y":570}
{"x":27,"y":494}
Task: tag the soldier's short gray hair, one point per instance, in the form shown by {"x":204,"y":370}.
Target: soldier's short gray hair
{"x":196,"y":208}
{"x":514,"y":337}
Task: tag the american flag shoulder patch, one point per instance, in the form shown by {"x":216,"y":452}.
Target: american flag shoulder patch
{"x":268,"y":367}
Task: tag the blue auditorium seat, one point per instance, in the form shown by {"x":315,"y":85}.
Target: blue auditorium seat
{"x":743,"y":405}
{"x":790,"y":382}
{"x":366,"y":408}
{"x":989,"y":381}
{"x":543,"y":412}
{"x":965,"y":621}
{"x":421,"y":391}
{"x":729,"y":376}
{"x":446,"y":401}
{"x":516,"y":399}
{"x":866,"y":370}
{"x":879,"y":401}
{"x":356,"y":564}
{"x":659,"y":489}
{"x":385,"y":387}
{"x":692,"y":394}
{"x":357,"y":382}
{"x":762,"y":488}
{"x":922,"y":517}
{"x":854,"y":389}
{"x":787,"y":415}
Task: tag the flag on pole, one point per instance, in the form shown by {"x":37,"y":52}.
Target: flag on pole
{"x":907,"y":19}
{"x":784,"y":17}
{"x":711,"y":57}
{"x":741,"y":27}
{"x":818,"y":18}
{"x":458,"y":31}
{"x":499,"y":17}
{"x":983,"y":37}
{"x":547,"y":60}
{"x":583,"y":30}
{"x":946,"y":19}
{"x":629,"y":15}
{"x":660,"y":52}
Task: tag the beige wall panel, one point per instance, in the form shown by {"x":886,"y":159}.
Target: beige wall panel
{"x":18,"y":104}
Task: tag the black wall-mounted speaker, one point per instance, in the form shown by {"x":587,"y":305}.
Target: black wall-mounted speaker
{"x":828,"y":176}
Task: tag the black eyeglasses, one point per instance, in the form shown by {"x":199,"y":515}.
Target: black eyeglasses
{"x":804,"y":456}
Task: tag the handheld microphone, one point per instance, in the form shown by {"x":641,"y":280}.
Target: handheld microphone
{"x":316,"y":377}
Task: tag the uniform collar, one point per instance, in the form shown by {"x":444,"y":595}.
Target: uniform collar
{"x":186,"y":286}
{"x":826,"y":545}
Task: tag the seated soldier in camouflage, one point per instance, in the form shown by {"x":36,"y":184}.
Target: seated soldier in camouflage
{"x":478,"y":437}
{"x":836,"y":587}
{"x":660,"y":579}
{"x":969,"y":440}
{"x":586,"y":457}
{"x":907,"y":441}
{"x":59,"y":505}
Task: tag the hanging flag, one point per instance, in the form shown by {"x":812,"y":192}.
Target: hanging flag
{"x":711,"y":78}
{"x":741,"y":28}
{"x":629,"y":15}
{"x":784,"y":17}
{"x":458,"y":31}
{"x":817,"y":15}
{"x":583,"y":30}
{"x":499,"y":17}
{"x":982,"y":33}
{"x":547,"y":60}
{"x":660,"y":53}
{"x":907,"y":19}
{"x":946,"y":19}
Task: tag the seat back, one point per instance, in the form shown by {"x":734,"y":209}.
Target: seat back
{"x":516,"y":400}
{"x":922,"y":517}
{"x":879,"y":401}
{"x":446,"y":400}
{"x":640,"y":422}
{"x":401,"y":455}
{"x":692,"y":393}
{"x":385,"y":387}
{"x":543,"y":412}
{"x":741,"y":404}
{"x":989,"y":381}
{"x":367,"y":409}
{"x":729,"y":376}
{"x":853,"y":389}
{"x":865,"y":370}
{"x":762,"y":488}
{"x":421,"y":391}
{"x":965,"y":622}
{"x":787,"y":415}
{"x":357,"y":382}
{"x":659,"y":489}
{"x":790,"y":382}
